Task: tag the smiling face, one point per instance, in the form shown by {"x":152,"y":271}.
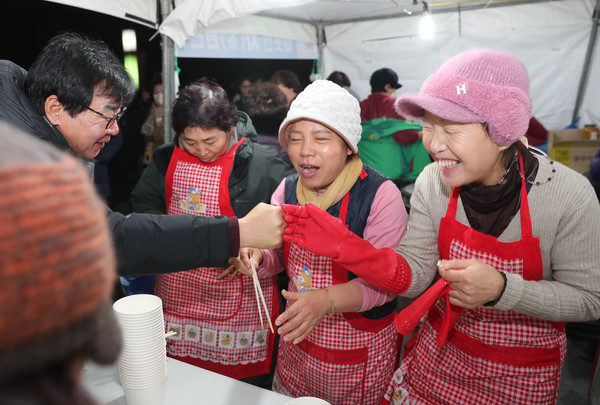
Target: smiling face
{"x":465,"y":153}
{"x":317,"y":153}
{"x":208,"y":145}
{"x":86,"y":132}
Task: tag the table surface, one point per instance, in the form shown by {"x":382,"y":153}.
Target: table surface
{"x":186,"y":384}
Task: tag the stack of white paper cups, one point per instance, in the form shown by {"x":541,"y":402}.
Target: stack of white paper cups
{"x":143,"y":360}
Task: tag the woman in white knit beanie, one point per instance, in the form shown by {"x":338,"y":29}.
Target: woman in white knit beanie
{"x":337,"y":338}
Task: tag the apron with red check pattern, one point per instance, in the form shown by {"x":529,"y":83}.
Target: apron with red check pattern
{"x":490,"y":356}
{"x":347,"y":359}
{"x":217,"y":320}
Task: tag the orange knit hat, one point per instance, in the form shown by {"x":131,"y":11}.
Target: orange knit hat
{"x":57,"y":263}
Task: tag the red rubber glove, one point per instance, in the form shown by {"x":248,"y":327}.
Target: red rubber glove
{"x":409,"y":317}
{"x":325,"y":235}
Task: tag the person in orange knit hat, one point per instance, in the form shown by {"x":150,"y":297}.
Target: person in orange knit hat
{"x":57,"y":267}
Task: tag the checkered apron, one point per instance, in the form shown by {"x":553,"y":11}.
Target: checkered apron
{"x":490,"y":356}
{"x":342,"y":361}
{"x":218,"y":320}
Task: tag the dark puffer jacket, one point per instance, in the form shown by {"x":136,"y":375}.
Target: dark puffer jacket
{"x":256,"y":173}
{"x":145,"y":244}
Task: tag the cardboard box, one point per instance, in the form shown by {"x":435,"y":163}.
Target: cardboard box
{"x":567,"y":147}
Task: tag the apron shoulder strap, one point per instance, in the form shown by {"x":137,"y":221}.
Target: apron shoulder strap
{"x":526,"y":227}
{"x":452,"y":203}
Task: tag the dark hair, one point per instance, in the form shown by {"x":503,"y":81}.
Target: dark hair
{"x":265,"y":98}
{"x":203,"y":104}
{"x":381,"y":77}
{"x":288,"y":78}
{"x":339,"y":78}
{"x":72,"y":67}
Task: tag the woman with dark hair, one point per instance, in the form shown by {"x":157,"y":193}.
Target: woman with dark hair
{"x":214,"y":167}
{"x":341,"y":79}
{"x":267,"y":106}
{"x":288,"y":82}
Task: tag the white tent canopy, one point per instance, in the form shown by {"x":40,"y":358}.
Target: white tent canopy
{"x":552,"y":38}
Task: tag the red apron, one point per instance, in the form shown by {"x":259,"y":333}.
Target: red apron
{"x":347,"y":359}
{"x":218,"y":320}
{"x":491,"y":356}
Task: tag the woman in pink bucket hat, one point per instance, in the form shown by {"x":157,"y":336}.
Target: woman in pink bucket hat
{"x":501,"y":248}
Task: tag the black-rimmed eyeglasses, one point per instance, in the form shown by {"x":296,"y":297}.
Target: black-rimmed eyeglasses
{"x":115,"y":116}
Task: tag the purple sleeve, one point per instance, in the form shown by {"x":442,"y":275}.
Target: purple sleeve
{"x":595,"y":167}
{"x":234,"y":237}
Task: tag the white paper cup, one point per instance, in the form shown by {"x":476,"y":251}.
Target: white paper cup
{"x":142,"y":383}
{"x":145,"y":368}
{"x":137,"y":304}
{"x":307,"y":401}
{"x":154,"y":395}
{"x":139,"y":347}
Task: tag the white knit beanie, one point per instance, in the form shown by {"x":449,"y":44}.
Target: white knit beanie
{"x":328,"y":104}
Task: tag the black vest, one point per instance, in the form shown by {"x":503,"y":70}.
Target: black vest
{"x":360,"y":201}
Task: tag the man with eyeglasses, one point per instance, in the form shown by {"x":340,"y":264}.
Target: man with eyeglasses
{"x":73,"y":96}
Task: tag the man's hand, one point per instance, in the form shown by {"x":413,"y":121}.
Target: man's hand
{"x":262,"y":227}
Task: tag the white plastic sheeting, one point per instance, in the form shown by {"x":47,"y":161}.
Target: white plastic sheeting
{"x":550,"y":38}
{"x":192,"y":16}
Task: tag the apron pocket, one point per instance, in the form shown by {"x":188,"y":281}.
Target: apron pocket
{"x":336,"y":376}
{"x":198,"y":294}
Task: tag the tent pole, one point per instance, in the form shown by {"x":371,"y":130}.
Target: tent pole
{"x":168,"y":72}
{"x":587,"y":62}
{"x":320,"y":47}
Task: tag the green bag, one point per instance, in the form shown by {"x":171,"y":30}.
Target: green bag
{"x":378,"y":149}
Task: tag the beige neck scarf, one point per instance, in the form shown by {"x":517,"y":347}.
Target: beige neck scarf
{"x":336,"y":190}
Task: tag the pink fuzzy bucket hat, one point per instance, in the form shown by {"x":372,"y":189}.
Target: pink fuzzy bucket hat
{"x":479,"y":85}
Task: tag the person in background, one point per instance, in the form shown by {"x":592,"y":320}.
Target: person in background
{"x":536,"y":134}
{"x":126,"y":167}
{"x":267,"y":107}
{"x":593,"y":174}
{"x":243,"y":88}
{"x":389,"y":143}
{"x":72,"y":96}
{"x":58,"y":269}
{"x":338,"y":341}
{"x":512,"y":235}
{"x":341,"y":79}
{"x":288,"y":83}
{"x":152,"y":128}
{"x":214,"y":167}
{"x":101,"y":178}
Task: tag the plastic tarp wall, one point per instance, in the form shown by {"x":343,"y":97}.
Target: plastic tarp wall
{"x":192,"y":17}
{"x":550,"y":38}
